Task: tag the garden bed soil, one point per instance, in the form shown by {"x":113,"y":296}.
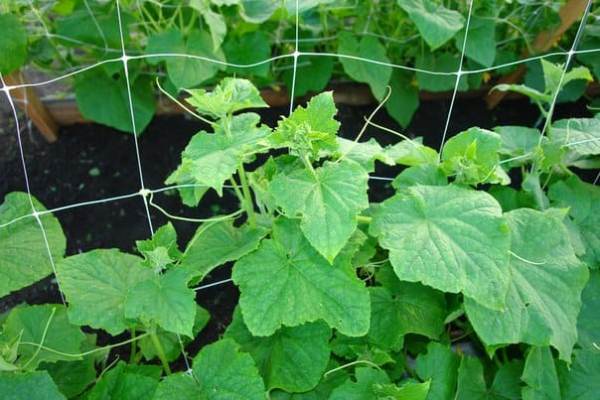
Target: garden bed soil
{"x":91,"y":162}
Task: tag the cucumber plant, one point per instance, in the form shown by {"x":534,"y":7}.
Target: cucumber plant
{"x":460,"y":285}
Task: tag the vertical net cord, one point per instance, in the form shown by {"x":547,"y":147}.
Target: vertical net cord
{"x":568,"y":60}
{"x":34,"y":211}
{"x":459,"y":75}
{"x":296,"y":55}
{"x":143,"y":191}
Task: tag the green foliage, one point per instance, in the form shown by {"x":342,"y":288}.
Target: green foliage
{"x":13,"y":43}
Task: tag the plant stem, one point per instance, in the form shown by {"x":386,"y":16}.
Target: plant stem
{"x":247,"y":196}
{"x":160,"y":352}
{"x":363,"y":219}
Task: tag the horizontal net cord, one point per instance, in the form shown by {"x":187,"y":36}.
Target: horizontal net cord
{"x":300,"y":54}
{"x":212,"y":284}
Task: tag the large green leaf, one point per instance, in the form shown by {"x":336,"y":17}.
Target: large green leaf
{"x":250,"y":48}
{"x":471,"y":384}
{"x":28,"y":386}
{"x":13,"y":43}
{"x":580,"y":135}
{"x":588,"y":323}
{"x":540,"y":375}
{"x":448,"y":237}
{"x":292,"y":359}
{"x":96,"y":285}
{"x":546,"y":280}
{"x":363,"y":388}
{"x":355,"y":65}
{"x":439,"y":365}
{"x":436,"y":23}
{"x":45,"y":325}
{"x":126,"y":381}
{"x":302,"y":287}
{"x":312,"y":74}
{"x":408,"y":390}
{"x":582,"y":380}
{"x":481,"y":40}
{"x":216,"y":243}
{"x":186,"y":72}
{"x":400,"y":307}
{"x":404,"y":100}
{"x":445,"y":64}
{"x":327,"y":200}
{"x":165,"y":300}
{"x":24,"y":256}
{"x":364,"y":153}
{"x":104,"y":99}
{"x":583,"y":201}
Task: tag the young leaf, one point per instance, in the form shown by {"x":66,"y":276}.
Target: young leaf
{"x":165,"y":300}
{"x":435,"y":23}
{"x":45,"y":325}
{"x":540,"y":375}
{"x":451,"y":238}
{"x":409,"y":390}
{"x":309,"y":129}
{"x":364,"y":386}
{"x":411,"y":152}
{"x":23,"y":254}
{"x":220,"y":372}
{"x":583,"y":201}
{"x":364,"y":153}
{"x":13,"y":43}
{"x":292,"y":359}
{"x":546,"y":280}
{"x":229,"y":96}
{"x":161,"y":250}
{"x":328,"y":200}
{"x":472,"y":157}
{"x":29,"y":385}
{"x":439,"y":365}
{"x":216,"y":243}
{"x":375,"y":75}
{"x":302,"y":287}
{"x":96,"y":285}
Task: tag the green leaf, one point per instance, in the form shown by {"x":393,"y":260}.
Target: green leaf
{"x":532,"y":93}
{"x":211,"y":159}
{"x":187,"y":72}
{"x":398,"y":308}
{"x":321,"y":391}
{"x":364,"y":153}
{"x":312,"y":75}
{"x":292,"y":359}
{"x":258,"y":11}
{"x":161,"y":250}
{"x":472,"y":157}
{"x":165,"y":300}
{"x":404,"y":100}
{"x":96,"y":285}
{"x":583,"y":201}
{"x":172,"y":342}
{"x":518,"y":141}
{"x":327,"y":200}
{"x":131,"y":382}
{"x":588,"y":324}
{"x":250,"y":48}
{"x":540,"y":375}
{"x":229,"y":96}
{"x":580,"y":135}
{"x":23,"y":253}
{"x":582,"y":380}
{"x":451,"y":238}
{"x":546,"y":281}
{"x":104,"y":99}
{"x":439,"y":365}
{"x":471,"y":384}
{"x":28,"y":385}
{"x":216,"y":243}
{"x":309,"y":129}
{"x":424,"y":174}
{"x":45,"y":325}
{"x":13,"y":43}
{"x":215,"y":21}
{"x":439,"y":62}
{"x":436,"y":23}
{"x":409,"y":390}
{"x":363,"y":388}
{"x":411,"y":153}
{"x":481,"y":40}
{"x":302,"y":287}
{"x":375,"y":75}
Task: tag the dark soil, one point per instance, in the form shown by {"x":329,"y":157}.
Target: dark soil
{"x":91,"y":162}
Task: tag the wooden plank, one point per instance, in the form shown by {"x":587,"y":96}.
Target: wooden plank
{"x":570,"y":12}
{"x":28,"y":100}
